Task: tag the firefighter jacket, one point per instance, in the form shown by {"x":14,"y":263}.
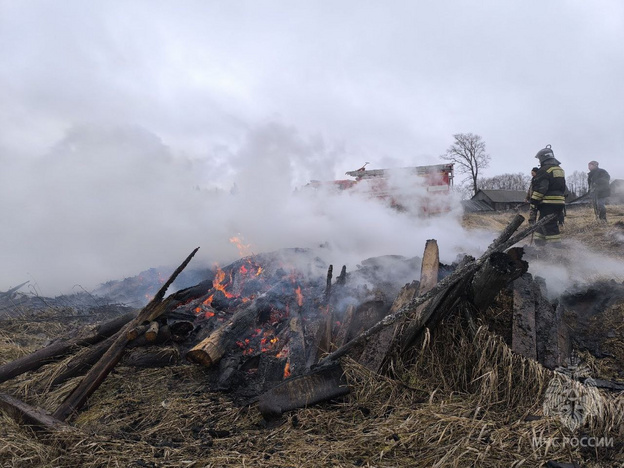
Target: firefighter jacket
{"x":549,"y":186}
{"x":598,"y":181}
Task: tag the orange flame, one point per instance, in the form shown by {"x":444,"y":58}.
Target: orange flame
{"x":218,"y":284}
{"x":287,"y":369}
{"x":299,"y":296}
{"x":244,"y":250}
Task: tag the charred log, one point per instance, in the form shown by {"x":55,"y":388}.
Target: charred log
{"x":152,"y":331}
{"x":107,"y":362}
{"x":30,"y":415}
{"x":502,"y":243}
{"x":61,"y":348}
{"x":342,"y":277}
{"x":152,"y":356}
{"x":318,"y":386}
{"x":523,"y":329}
{"x":498,"y":271}
{"x":327,"y":293}
{"x":212,"y":349}
{"x":163,"y":336}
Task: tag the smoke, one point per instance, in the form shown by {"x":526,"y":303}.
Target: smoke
{"x":566,"y":272}
{"x":107,"y":202}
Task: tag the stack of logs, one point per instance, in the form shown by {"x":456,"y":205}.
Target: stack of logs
{"x":420,"y":305}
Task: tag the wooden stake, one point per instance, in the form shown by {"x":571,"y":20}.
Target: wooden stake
{"x":102,"y":368}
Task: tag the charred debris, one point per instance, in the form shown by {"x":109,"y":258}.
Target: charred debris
{"x":271,"y":329}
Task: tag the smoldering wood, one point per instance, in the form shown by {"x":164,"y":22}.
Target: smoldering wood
{"x":137,"y":331}
{"x":36,"y":417}
{"x":163,"y":336}
{"x":317,"y":386}
{"x":89,"y":356}
{"x":109,"y":360}
{"x":501,"y":243}
{"x":523,"y":329}
{"x":495,"y":273}
{"x":296,"y":346}
{"x":342,"y":277}
{"x":429,"y":273}
{"x":61,"y":348}
{"x":327,"y":293}
{"x":378,"y":346}
{"x":152,"y":330}
{"x":341,"y":335}
{"x":209,"y":351}
{"x":180,"y":330}
{"x":552,"y":334}
{"x":152,"y":356}
{"x":320,"y":337}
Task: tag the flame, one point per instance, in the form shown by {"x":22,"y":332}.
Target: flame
{"x":299,"y":296}
{"x":287,"y":369}
{"x":244,"y":250}
{"x":283,"y":352}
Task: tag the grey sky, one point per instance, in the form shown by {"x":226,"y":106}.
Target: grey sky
{"x":103,"y":103}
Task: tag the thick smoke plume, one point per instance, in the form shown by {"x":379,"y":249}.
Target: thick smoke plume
{"x":108,"y":202}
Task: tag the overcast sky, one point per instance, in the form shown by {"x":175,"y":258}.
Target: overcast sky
{"x":118,"y":117}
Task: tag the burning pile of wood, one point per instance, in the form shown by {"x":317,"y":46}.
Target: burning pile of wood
{"x":276,"y":334}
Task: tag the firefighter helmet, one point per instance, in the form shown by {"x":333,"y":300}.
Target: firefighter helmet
{"x":545,"y":153}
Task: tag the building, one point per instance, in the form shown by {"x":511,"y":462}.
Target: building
{"x":501,"y":200}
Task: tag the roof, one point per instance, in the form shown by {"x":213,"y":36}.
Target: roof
{"x":504,"y":196}
{"x":416,"y":170}
{"x":472,"y":206}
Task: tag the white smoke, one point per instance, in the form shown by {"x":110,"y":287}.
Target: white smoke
{"x":107,"y":202}
{"x":573,"y":266}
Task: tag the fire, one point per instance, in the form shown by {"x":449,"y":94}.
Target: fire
{"x":287,"y":369}
{"x":217,"y":283}
{"x":299,"y":296}
{"x":244,"y":250}
{"x":283,"y":352}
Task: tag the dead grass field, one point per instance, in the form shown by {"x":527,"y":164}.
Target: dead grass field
{"x":467,"y":402}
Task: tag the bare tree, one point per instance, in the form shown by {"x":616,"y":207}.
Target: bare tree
{"x":577,"y":183}
{"x":468,"y":154}
{"x":518,"y":181}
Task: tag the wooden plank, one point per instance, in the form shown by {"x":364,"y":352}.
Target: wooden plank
{"x":23,"y":413}
{"x":523,"y":331}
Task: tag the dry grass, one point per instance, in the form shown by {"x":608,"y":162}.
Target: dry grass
{"x":465,"y":400}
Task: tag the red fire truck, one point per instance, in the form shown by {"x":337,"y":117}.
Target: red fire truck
{"x":419,"y":189}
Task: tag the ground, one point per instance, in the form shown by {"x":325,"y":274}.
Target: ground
{"x":465,"y":401}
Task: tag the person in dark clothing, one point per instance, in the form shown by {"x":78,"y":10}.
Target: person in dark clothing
{"x":598,"y":182}
{"x":548,"y":197}
{"x":532,"y":208}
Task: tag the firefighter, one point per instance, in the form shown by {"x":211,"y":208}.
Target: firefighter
{"x":598,"y":182}
{"x":532,"y":208}
{"x":548,"y":197}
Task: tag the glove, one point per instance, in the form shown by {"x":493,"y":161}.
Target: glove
{"x":532,"y":214}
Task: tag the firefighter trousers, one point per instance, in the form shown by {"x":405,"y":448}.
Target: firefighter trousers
{"x":549,"y":233}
